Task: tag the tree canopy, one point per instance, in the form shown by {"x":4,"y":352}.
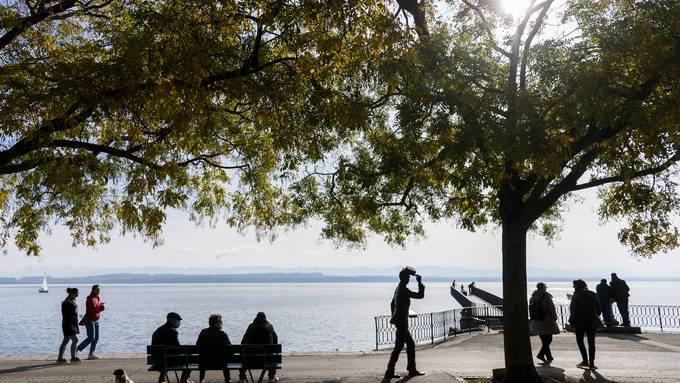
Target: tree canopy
{"x":113,"y":111}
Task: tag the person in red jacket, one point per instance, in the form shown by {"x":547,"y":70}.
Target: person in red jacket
{"x":93,"y":308}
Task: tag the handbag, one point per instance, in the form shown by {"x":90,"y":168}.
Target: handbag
{"x":83,"y":321}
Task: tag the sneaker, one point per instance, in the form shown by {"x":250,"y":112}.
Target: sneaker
{"x":93,"y":357}
{"x":61,"y":361}
{"x":583,"y":365}
{"x":415,"y":373}
{"x":542,"y":358}
{"x":75,"y":360}
{"x":593,"y":366}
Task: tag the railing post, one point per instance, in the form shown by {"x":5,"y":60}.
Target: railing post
{"x":562,"y":317}
{"x":455,"y":322}
{"x":376,"y":333}
{"x":431,"y":328}
{"x":658,"y":308}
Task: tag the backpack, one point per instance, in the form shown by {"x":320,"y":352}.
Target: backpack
{"x":535,"y":310}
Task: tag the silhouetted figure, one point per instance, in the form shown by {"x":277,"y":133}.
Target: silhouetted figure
{"x":69,"y":325}
{"x":401,"y":302}
{"x":453,"y":284}
{"x":584,"y":317}
{"x":260,"y":332}
{"x":462,"y":289}
{"x":544,"y":324}
{"x":93,"y":308}
{"x":471,"y":287}
{"x":166,"y":335}
{"x":619,"y":291}
{"x":211,"y":342}
{"x":604,"y":296}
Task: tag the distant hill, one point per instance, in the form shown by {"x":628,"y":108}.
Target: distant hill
{"x":210,"y":278}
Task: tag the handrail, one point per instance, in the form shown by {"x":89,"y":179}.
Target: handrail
{"x":435,"y":326}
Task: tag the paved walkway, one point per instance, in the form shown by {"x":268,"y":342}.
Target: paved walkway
{"x":644,"y":358}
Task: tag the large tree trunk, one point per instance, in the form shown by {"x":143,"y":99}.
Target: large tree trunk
{"x":519,"y":365}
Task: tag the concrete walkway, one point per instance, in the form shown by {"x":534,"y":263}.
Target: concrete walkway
{"x":621,"y":358}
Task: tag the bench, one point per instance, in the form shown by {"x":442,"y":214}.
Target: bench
{"x":232,"y":357}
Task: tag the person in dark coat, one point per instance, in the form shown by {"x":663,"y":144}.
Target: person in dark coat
{"x":584,"y":317}
{"x":211,"y":342}
{"x":260,"y":332}
{"x":619,"y":291}
{"x":547,"y":327}
{"x":401,"y":302}
{"x":166,"y":335}
{"x":604,"y":296}
{"x":69,"y":325}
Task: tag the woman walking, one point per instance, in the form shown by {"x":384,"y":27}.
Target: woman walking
{"x":93,"y":308}
{"x":544,"y":320}
{"x":585,"y":318}
{"x":69,"y":325}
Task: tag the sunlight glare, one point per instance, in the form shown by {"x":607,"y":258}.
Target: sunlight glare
{"x":516,"y":8}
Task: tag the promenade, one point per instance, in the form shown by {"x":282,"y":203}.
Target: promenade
{"x":642,"y":358}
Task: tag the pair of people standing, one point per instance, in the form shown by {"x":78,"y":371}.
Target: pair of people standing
{"x":210,"y":342}
{"x":617,"y":291}
{"x":69,"y":323}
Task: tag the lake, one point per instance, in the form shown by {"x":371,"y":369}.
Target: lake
{"x":307,"y":317}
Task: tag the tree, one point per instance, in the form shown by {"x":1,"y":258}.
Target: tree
{"x":113,"y":111}
{"x":485,"y":130}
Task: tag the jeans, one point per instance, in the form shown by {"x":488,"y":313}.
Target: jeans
{"x":92,"y":328}
{"x":403,"y":336}
{"x":607,"y":314}
{"x":580,"y":332}
{"x":545,"y":346}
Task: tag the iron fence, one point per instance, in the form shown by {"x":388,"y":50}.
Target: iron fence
{"x":432,"y":327}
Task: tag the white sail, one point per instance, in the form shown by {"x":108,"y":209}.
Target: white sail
{"x":43,"y":287}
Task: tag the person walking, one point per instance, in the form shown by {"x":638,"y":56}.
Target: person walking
{"x":401,"y":302}
{"x":211,"y":342}
{"x":167,"y":335}
{"x":584,"y":317}
{"x":93,"y":308}
{"x":604,"y":296}
{"x":620,"y":293}
{"x":544,"y":321}
{"x":69,"y":325}
{"x":260,"y":332}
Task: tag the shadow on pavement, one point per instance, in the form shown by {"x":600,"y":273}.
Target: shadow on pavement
{"x":545,"y":369}
{"x":29,"y":368}
{"x":591,"y":376}
{"x":633,"y":337}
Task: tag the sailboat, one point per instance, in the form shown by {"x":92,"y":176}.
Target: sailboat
{"x":43,"y":288}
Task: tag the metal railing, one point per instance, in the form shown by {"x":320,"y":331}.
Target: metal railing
{"x":432,"y":327}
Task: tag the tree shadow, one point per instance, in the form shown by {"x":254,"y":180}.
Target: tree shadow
{"x":29,"y":368}
{"x":592,"y":376}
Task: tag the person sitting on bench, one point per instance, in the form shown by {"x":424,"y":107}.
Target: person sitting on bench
{"x":211,"y":342}
{"x":166,"y":335}
{"x":260,"y":332}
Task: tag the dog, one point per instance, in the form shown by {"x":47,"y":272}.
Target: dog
{"x":121,"y":376}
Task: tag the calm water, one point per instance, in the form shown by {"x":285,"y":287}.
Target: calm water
{"x":307,"y":317}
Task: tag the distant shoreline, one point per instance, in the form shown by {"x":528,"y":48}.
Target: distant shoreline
{"x":130,"y":278}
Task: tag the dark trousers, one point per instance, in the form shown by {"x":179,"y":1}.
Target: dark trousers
{"x":545,"y":346}
{"x":184,"y":378}
{"x":580,"y":332}
{"x":607,"y":314}
{"x":622,"y":304}
{"x":225,"y":373}
{"x":403,"y":336}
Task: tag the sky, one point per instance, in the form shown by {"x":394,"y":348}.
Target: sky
{"x":584,"y":246}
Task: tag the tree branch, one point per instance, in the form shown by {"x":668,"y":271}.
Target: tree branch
{"x":527,"y":43}
{"x":621,"y":178}
{"x":97,"y":148}
{"x":488,"y":30}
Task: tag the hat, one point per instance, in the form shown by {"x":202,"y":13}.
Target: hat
{"x":173,"y":315}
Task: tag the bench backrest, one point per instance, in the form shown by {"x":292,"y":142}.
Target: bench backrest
{"x":252,"y":356}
